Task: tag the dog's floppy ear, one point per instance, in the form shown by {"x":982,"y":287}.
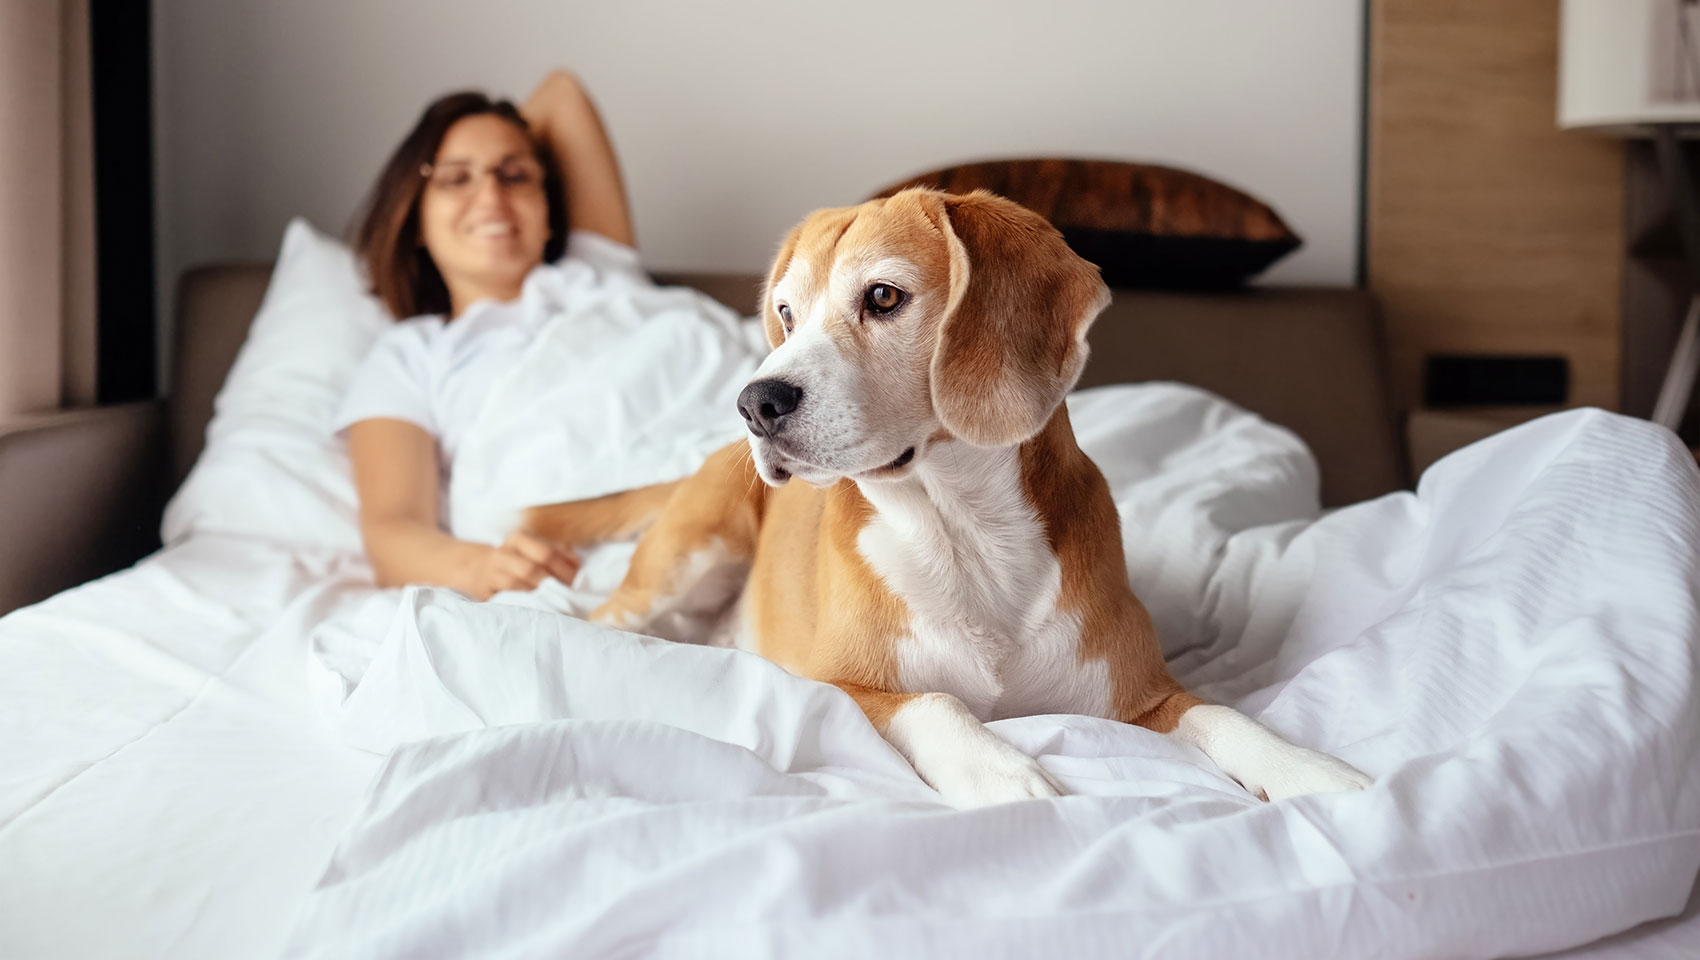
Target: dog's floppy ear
{"x":769,"y":316}
{"x":1013,"y":340}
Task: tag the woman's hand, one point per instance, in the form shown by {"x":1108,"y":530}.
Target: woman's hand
{"x":396,"y":475}
{"x":556,"y":86}
{"x":522,"y":562}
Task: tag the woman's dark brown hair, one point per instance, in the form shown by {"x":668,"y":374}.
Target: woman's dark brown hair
{"x":387,"y":239}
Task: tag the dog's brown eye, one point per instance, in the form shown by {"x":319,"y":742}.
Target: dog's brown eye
{"x":882,"y":298}
{"x":785,"y":317}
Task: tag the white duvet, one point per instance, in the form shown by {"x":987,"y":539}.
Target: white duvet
{"x":189,"y":748}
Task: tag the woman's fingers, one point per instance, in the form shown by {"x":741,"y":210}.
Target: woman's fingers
{"x":522,"y":572}
{"x":530,"y":547}
{"x":523,"y":562}
{"x":561,"y":565}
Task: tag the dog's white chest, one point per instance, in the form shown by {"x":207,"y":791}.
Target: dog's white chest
{"x":963,"y":549}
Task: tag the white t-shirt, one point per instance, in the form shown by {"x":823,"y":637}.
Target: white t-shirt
{"x":438,"y":375}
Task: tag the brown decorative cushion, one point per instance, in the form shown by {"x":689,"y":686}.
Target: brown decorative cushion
{"x":1143,"y":225}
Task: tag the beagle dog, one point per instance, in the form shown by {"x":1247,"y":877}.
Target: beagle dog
{"x":950,"y":556}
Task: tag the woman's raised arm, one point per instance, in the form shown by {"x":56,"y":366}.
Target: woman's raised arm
{"x":562,"y":115}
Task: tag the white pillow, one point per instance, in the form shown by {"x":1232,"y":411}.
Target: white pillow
{"x":272,"y":467}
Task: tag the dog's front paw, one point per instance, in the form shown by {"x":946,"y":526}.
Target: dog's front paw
{"x":969,"y":765}
{"x":1266,"y":765}
{"x":1298,"y":771}
{"x":996,"y":773}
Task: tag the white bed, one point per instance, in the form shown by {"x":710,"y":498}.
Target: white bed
{"x":238,"y":748}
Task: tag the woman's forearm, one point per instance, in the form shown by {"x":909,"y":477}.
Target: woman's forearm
{"x":404,"y":551}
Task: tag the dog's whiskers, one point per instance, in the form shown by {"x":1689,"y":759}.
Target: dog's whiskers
{"x":755,"y":480}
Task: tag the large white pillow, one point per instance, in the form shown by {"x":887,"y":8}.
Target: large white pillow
{"x":272,"y":467}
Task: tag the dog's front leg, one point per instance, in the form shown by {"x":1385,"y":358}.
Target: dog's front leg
{"x":969,"y":765}
{"x":616,"y":516}
{"x":678,"y":594}
{"x":691,"y":564}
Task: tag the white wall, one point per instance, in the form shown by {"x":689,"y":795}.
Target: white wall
{"x":733,"y":119}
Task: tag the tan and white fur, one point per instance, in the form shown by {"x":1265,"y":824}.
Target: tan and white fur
{"x":951,"y":556}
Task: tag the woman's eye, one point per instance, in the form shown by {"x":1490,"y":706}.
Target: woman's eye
{"x":785,"y":317}
{"x":519,"y":176}
{"x":882,"y":298}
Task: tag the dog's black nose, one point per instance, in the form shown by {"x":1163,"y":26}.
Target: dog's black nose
{"x":765,"y":404}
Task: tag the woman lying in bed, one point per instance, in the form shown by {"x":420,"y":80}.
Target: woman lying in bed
{"x":477,"y":197}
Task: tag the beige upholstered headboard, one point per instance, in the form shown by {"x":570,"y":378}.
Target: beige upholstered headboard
{"x":1308,"y":359}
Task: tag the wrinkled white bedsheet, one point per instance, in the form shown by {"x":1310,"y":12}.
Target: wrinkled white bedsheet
{"x":166,"y":788}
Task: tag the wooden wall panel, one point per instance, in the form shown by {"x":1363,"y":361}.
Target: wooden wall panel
{"x":1488,"y":229}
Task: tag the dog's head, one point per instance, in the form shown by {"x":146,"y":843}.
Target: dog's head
{"x":906,"y":320}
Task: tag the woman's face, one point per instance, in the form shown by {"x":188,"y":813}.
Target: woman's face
{"x":484,"y":217}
